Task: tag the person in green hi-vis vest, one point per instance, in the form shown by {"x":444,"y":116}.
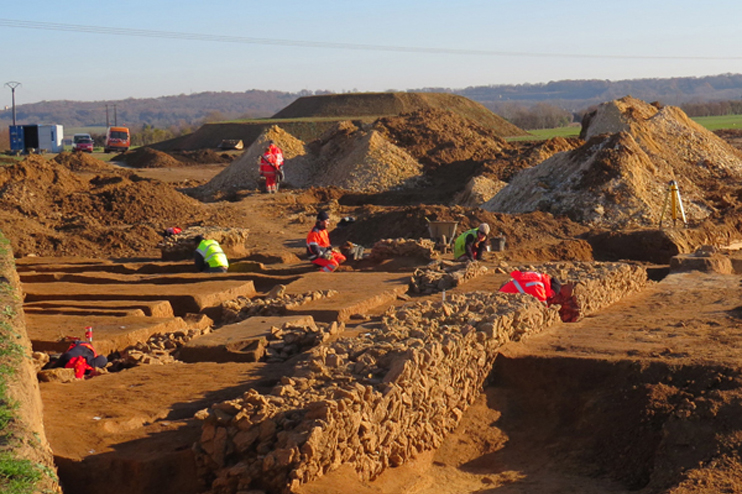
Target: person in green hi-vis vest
{"x":470,"y":245}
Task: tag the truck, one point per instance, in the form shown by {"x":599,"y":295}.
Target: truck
{"x":118,"y":139}
{"x":36,"y":138}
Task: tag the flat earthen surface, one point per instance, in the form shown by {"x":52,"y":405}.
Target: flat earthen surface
{"x":51,"y":333}
{"x":227,"y":344}
{"x":686,"y":318}
{"x":358,"y":293}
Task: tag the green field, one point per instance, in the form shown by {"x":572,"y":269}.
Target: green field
{"x":711,"y":123}
{"x":722,"y":122}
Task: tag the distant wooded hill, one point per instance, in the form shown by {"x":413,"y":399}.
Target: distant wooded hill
{"x":190,"y":110}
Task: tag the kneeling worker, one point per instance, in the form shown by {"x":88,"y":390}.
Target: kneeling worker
{"x":540,"y":285}
{"x":319,"y":248}
{"x":470,"y":245}
{"x":209,"y":256}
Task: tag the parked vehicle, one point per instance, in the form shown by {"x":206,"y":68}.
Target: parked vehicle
{"x":82,"y":142}
{"x":118,"y":139}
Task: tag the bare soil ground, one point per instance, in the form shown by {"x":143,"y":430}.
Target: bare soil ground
{"x":641,"y":398}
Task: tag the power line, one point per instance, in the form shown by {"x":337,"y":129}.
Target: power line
{"x":143,"y":33}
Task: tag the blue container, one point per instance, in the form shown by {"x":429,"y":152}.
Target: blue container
{"x":16,"y":138}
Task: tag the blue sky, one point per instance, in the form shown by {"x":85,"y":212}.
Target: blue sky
{"x":465,"y":43}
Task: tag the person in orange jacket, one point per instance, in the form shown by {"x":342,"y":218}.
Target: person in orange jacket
{"x":271,"y":167}
{"x":540,"y":285}
{"x":318,"y":245}
{"x":82,"y":357}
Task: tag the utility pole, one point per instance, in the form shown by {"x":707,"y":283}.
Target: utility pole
{"x":12,"y":85}
{"x":115,"y":120}
{"x":107,"y":124}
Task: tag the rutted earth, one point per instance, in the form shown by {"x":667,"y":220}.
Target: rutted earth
{"x":642,"y":394}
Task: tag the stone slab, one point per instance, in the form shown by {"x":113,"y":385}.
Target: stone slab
{"x":358,"y":293}
{"x":244,"y":341}
{"x":48,"y":333}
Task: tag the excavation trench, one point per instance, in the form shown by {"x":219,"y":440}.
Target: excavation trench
{"x":542,"y":422}
{"x":573,"y":425}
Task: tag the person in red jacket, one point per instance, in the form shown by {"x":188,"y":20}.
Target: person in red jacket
{"x":271,"y":167}
{"x":82,"y":357}
{"x":318,"y":245}
{"x":540,"y":285}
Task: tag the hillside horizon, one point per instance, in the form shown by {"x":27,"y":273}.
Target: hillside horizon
{"x":180,"y":110}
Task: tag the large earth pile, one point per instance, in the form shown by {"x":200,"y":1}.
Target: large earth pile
{"x":146,"y":157}
{"x":46,"y":208}
{"x":436,"y":136}
{"x":619,"y":177}
{"x":243,"y":173}
{"x":82,"y":162}
{"x":355,"y":159}
{"x":149,"y":157}
{"x":383,"y":104}
{"x":431,"y":148}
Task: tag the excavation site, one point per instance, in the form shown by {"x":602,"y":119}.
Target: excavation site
{"x":404,"y":370}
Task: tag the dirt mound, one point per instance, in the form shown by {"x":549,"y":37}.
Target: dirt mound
{"x":82,"y":162}
{"x":345,"y":156}
{"x":243,"y":173}
{"x":382,"y":157}
{"x":380,"y":104}
{"x":534,"y":236}
{"x":354,"y":159}
{"x":621,"y":179}
{"x":436,"y":136}
{"x":478,"y":190}
{"x":48,"y":210}
{"x":146,"y":157}
{"x":202,"y":156}
{"x":34,"y":184}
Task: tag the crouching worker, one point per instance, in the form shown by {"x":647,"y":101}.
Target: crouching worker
{"x":470,"y":245}
{"x":318,"y":245}
{"x":540,"y":285}
{"x":209,"y":256}
{"x":82,"y":357}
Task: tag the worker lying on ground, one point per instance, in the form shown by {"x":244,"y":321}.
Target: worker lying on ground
{"x":470,"y":245}
{"x":540,"y":285}
{"x":318,"y":245}
{"x":209,"y":256}
{"x":82,"y":357}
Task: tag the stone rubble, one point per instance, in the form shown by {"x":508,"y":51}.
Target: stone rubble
{"x":274,"y":304}
{"x":159,"y":348}
{"x":596,"y":285}
{"x":391,"y":248}
{"x":292,"y":339}
{"x":444,"y":275}
{"x":380,"y":398}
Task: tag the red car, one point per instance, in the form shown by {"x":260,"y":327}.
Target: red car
{"x":82,"y":142}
